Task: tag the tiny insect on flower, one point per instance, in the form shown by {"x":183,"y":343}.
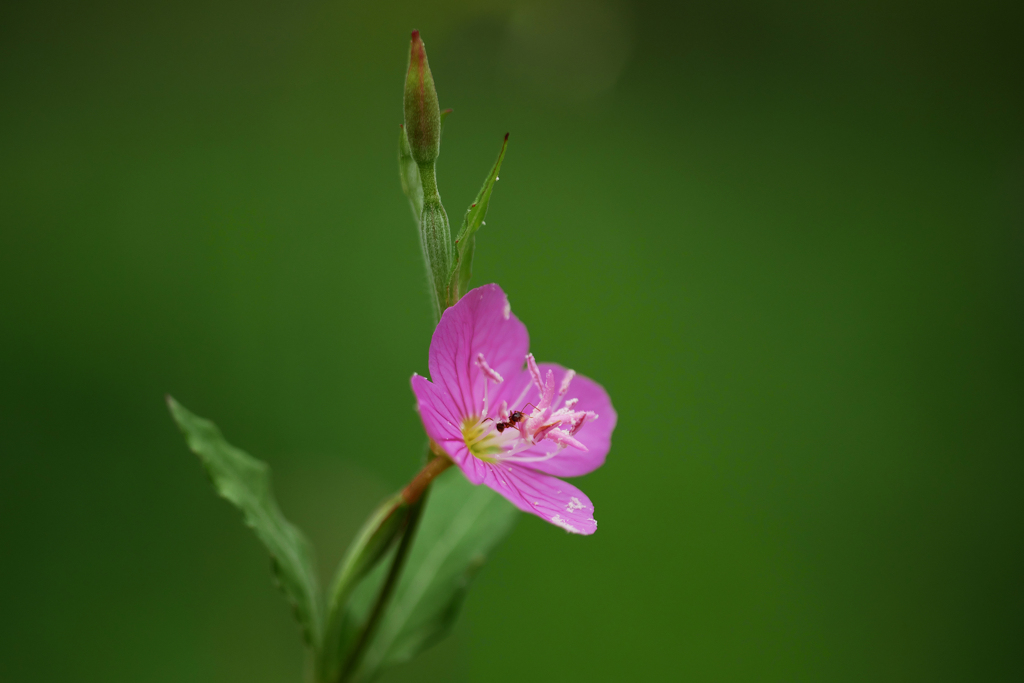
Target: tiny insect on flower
{"x":515,"y":417}
{"x":479,"y":366}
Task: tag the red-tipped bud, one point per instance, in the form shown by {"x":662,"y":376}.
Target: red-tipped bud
{"x":422,"y":114}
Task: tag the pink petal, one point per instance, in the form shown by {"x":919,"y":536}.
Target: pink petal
{"x":596,"y":435}
{"x":435,"y":408}
{"x":549,"y":498}
{"x":445,"y":427}
{"x":511,"y":391}
{"x":481,"y":322}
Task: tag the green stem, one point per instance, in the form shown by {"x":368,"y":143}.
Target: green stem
{"x":384,"y":596}
{"x":378,"y":534}
{"x":428,"y":178}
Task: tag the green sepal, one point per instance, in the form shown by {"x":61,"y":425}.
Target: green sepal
{"x":419,"y":182}
{"x":245,"y":482}
{"x":374,"y":540}
{"x":460,"y":526}
{"x":435,"y":242}
{"x":465,"y":243}
{"x":409,"y":171}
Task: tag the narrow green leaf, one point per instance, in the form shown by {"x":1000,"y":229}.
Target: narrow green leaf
{"x":462,"y":523}
{"x":245,"y":482}
{"x":410,"y":174}
{"x":462,"y":268}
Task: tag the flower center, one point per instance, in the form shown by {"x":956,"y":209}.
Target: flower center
{"x":503,"y":437}
{"x":482,"y":439}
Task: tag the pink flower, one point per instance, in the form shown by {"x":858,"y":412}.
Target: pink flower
{"x":484,"y":378}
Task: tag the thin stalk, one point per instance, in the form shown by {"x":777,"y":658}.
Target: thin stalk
{"x":419,"y":484}
{"x":381,"y":531}
{"x":415,"y":494}
{"x":380,"y":605}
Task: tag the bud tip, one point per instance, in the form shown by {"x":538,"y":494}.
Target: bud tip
{"x":417,"y":49}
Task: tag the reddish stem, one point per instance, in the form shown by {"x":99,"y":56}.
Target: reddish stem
{"x":419,"y":484}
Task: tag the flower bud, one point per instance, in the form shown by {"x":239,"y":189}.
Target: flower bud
{"x":422,"y":114}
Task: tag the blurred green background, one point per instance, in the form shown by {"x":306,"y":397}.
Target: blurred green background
{"x":787,"y":237}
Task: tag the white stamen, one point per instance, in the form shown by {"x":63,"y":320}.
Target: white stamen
{"x":531,"y":363}
{"x":540,"y":419}
{"x":547,"y":422}
{"x":487,"y":370}
{"x":564,"y":439}
{"x":569,"y":374}
{"x":489,"y":374}
{"x":522,"y":397}
{"x":538,"y":458}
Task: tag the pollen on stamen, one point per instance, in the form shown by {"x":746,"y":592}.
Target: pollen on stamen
{"x":489,"y":372}
{"x":531,"y":364}
{"x":569,"y":374}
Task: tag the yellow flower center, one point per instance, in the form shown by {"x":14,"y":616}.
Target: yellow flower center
{"x":481,"y":438}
